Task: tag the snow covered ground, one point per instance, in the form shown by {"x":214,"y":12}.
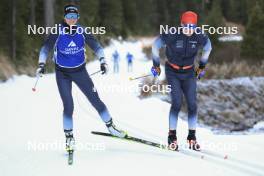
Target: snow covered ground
{"x":32,"y":135}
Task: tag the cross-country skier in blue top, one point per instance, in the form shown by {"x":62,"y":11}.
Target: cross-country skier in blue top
{"x":69,"y":58}
{"x":116,"y":59}
{"x":130,"y":58}
{"x":181,"y":50}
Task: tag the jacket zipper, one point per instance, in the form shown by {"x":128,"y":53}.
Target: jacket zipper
{"x":185,"y":50}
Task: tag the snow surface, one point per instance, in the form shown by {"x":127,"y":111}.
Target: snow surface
{"x":32,"y":134}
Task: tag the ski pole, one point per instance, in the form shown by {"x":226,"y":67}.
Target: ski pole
{"x":143,"y":76}
{"x":36,"y":83}
{"x":95,"y":72}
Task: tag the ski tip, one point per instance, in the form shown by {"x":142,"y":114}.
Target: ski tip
{"x":101,"y":133}
{"x":130,"y":79}
{"x":225,"y":157}
{"x":33,"y":89}
{"x":95,"y":132}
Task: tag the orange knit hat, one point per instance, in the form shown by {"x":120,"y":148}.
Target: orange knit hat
{"x":189,"y":17}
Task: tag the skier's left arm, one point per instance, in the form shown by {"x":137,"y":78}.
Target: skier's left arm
{"x":98,"y":50}
{"x":95,"y":46}
{"x":207,"y":48}
{"x":157,"y":45}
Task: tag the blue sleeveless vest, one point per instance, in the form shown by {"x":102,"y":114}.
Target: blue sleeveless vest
{"x":70,"y":50}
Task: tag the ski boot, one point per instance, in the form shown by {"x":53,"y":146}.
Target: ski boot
{"x":115,"y":131}
{"x":172,"y":140}
{"x":70,"y":142}
{"x":191,"y":139}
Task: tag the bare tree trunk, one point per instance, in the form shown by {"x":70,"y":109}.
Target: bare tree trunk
{"x":49,"y":12}
{"x":13,"y":32}
{"x":32,"y":12}
{"x":203,"y":5}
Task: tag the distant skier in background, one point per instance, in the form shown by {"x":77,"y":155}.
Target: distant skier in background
{"x":69,"y":58}
{"x":130,"y":58}
{"x":116,"y":60}
{"x":181,"y":50}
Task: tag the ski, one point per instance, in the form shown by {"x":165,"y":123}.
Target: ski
{"x":151,"y":143}
{"x":187,"y":152}
{"x":131,"y":138}
{"x":197,"y":154}
{"x":204,"y":155}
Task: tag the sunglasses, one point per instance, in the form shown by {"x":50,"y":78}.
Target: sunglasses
{"x":190,"y":26}
{"x":72,"y":16}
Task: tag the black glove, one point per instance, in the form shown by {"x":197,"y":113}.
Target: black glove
{"x":41,"y":69}
{"x":200,"y":71}
{"x":103,"y":68}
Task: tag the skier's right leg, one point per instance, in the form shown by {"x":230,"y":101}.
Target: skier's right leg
{"x":176,"y":101}
{"x":64,"y":84}
{"x":115,"y":67}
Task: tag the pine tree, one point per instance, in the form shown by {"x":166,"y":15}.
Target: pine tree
{"x":175,"y":9}
{"x":130,"y":17}
{"x":111,"y":15}
{"x":252,"y":46}
{"x":162,"y":13}
{"x":5,"y":18}
{"x":146,"y":16}
{"x":89,"y":11}
{"x":215,"y":19}
{"x":25,"y":43}
{"x":235,"y":11}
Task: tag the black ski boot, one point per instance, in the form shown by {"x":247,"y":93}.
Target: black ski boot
{"x":191,"y":139}
{"x":70,"y":142}
{"x":172,"y":140}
